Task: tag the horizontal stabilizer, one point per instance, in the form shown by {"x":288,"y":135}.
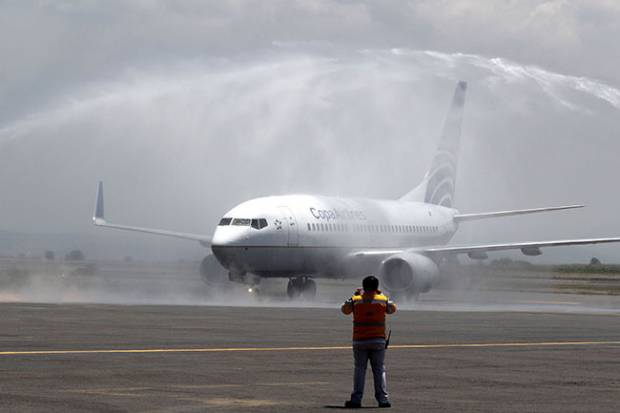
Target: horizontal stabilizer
{"x":99,"y":220}
{"x":472,"y":217}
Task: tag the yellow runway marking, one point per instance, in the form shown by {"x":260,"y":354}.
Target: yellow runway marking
{"x":322,"y":348}
{"x":554,"y":302}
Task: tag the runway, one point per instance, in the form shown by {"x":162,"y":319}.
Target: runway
{"x":81,"y":357}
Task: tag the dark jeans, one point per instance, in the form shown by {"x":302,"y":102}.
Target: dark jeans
{"x":375,"y":353}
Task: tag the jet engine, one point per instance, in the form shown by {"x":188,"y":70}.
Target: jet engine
{"x":408,"y":273}
{"x":212,"y":272}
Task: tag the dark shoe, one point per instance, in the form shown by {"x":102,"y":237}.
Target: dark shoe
{"x":385,"y":404}
{"x":352,"y":405}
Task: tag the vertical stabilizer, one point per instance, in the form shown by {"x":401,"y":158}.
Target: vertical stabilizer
{"x":439,"y":182}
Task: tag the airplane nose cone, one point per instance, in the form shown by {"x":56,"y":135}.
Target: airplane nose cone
{"x":229,"y":236}
{"x":218,"y":238}
{"x":224,"y":244}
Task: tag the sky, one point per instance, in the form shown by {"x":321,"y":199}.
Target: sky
{"x":187,"y":108}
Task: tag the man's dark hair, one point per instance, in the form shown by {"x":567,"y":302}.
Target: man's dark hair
{"x":370,"y":283}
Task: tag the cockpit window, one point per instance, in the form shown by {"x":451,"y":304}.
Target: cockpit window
{"x":225,"y":221}
{"x":259,"y":223}
{"x":242,"y":222}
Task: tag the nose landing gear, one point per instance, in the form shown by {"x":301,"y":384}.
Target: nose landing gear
{"x":301,"y":286}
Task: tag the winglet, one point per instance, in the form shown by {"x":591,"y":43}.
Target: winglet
{"x":98,"y":217}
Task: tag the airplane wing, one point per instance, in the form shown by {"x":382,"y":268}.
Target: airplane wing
{"x":498,"y":214}
{"x":99,"y":220}
{"x":527,"y":248}
{"x":479,"y":251}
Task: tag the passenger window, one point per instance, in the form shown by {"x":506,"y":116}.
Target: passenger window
{"x":225,"y":221}
{"x":309,"y":227}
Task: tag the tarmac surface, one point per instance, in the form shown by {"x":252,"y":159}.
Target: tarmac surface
{"x":95,"y":357}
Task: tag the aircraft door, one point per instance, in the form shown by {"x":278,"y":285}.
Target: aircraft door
{"x":289,"y":221}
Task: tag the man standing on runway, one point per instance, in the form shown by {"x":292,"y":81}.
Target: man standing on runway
{"x":369,"y":308}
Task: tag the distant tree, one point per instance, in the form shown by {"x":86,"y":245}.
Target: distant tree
{"x":49,"y":255}
{"x":75,"y":255}
{"x":595,"y":261}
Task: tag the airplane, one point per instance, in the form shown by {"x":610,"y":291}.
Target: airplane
{"x":303,"y":237}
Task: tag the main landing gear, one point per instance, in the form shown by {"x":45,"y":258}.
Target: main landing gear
{"x":301,"y":286}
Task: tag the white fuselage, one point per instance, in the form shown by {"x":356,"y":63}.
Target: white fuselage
{"x":312,"y":235}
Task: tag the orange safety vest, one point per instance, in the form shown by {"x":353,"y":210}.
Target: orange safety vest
{"x":369,"y":311}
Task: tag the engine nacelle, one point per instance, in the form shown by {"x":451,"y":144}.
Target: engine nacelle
{"x":212,"y":272}
{"x":408,"y":272}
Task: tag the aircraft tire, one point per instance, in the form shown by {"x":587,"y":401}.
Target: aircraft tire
{"x":309,"y":289}
{"x":292,"y":289}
